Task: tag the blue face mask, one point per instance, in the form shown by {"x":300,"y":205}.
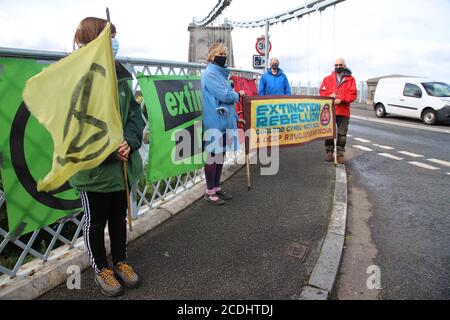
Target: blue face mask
{"x":115,"y":46}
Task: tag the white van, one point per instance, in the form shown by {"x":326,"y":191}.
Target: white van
{"x":413,"y":97}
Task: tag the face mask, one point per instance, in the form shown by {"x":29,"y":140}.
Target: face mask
{"x":275,"y":66}
{"x":220,"y":60}
{"x":339,"y":70}
{"x":115,"y":46}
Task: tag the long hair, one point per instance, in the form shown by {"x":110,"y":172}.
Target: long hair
{"x":89,"y":29}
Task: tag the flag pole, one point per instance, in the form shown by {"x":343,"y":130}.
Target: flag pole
{"x":125,"y":175}
{"x":124,"y":166}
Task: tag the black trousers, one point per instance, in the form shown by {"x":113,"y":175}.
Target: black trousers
{"x":342,"y":126}
{"x":101,"y":208}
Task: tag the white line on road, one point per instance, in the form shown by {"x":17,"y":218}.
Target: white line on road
{"x":414,"y":155}
{"x":362,"y":140}
{"x":423,"y":165}
{"x":448,"y":173}
{"x":387,"y":155}
{"x":444,"y":163}
{"x":362,"y":148}
{"x":400,"y":124}
{"x":383,"y":147}
{"x":350,"y":136}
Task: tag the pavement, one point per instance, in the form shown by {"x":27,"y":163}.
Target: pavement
{"x":239,"y":250}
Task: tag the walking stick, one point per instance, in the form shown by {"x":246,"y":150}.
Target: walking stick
{"x":125,"y":175}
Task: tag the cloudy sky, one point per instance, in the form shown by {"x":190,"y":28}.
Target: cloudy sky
{"x":376,"y":37}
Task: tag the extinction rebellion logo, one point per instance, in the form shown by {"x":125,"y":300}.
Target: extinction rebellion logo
{"x":325,"y":116}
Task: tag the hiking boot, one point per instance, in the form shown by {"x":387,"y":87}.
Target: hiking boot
{"x":340,"y":158}
{"x":224,"y":196}
{"x":214,"y":199}
{"x":127,"y":275}
{"x":108,"y":283}
{"x":329,"y":157}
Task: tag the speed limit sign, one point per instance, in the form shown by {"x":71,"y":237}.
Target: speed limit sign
{"x":261,"y":46}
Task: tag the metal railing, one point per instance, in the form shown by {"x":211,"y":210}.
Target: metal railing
{"x":310,"y":88}
{"x":67,"y":231}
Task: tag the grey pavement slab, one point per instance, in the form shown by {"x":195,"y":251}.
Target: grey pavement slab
{"x":237,"y":251}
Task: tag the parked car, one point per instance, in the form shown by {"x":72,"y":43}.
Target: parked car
{"x":413,"y":97}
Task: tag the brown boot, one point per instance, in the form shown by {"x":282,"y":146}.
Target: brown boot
{"x":329,"y":157}
{"x":340,"y":158}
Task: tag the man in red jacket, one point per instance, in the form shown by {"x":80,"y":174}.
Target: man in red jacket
{"x":341,"y":86}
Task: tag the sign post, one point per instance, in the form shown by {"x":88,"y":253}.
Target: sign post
{"x":268,"y":47}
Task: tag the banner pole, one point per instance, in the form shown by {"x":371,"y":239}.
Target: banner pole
{"x":335,"y":152}
{"x":247,"y":162}
{"x":246,"y":146}
{"x":125,"y":175}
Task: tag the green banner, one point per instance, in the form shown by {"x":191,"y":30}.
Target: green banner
{"x":174,"y":108}
{"x":27,"y":150}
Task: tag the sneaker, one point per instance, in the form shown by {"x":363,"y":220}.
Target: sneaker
{"x":224,"y":196}
{"x":108,"y":283}
{"x":126,"y":273}
{"x":214,"y":199}
{"x":329,"y":157}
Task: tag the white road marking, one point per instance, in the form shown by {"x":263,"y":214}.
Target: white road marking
{"x":387,"y":155}
{"x":362,"y":140}
{"x":414,"y":155}
{"x":423,"y":165}
{"x":401,"y":124}
{"x":444,"y":163}
{"x":383,"y":147}
{"x":362,"y":148}
{"x":350,"y":136}
{"x":448,"y":173}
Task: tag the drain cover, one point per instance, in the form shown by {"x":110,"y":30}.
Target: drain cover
{"x":298,"y":251}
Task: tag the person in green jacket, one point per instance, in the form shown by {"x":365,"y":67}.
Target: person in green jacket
{"x":102,"y":189}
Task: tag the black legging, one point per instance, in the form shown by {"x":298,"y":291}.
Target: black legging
{"x":214,"y":166}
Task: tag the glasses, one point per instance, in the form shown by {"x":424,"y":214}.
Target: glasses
{"x":338,"y":65}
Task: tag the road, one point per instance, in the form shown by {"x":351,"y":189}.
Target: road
{"x":399,"y":210}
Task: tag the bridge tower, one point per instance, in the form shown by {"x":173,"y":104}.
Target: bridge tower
{"x":203,"y":37}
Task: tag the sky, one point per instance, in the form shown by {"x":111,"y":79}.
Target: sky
{"x":376,"y":37}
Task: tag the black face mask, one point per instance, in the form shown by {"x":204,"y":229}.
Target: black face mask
{"x":220,"y":60}
{"x":339,"y":70}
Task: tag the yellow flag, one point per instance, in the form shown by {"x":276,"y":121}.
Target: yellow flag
{"x":76,"y":99}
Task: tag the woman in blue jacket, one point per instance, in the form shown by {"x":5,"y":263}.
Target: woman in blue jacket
{"x":219,"y":120}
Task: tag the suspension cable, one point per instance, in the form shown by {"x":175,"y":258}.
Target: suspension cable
{"x":334,"y":33}
{"x":213,"y":14}
{"x":309,"y":7}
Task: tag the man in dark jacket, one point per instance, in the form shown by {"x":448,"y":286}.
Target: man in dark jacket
{"x":274,"y":81}
{"x":341,"y":86}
